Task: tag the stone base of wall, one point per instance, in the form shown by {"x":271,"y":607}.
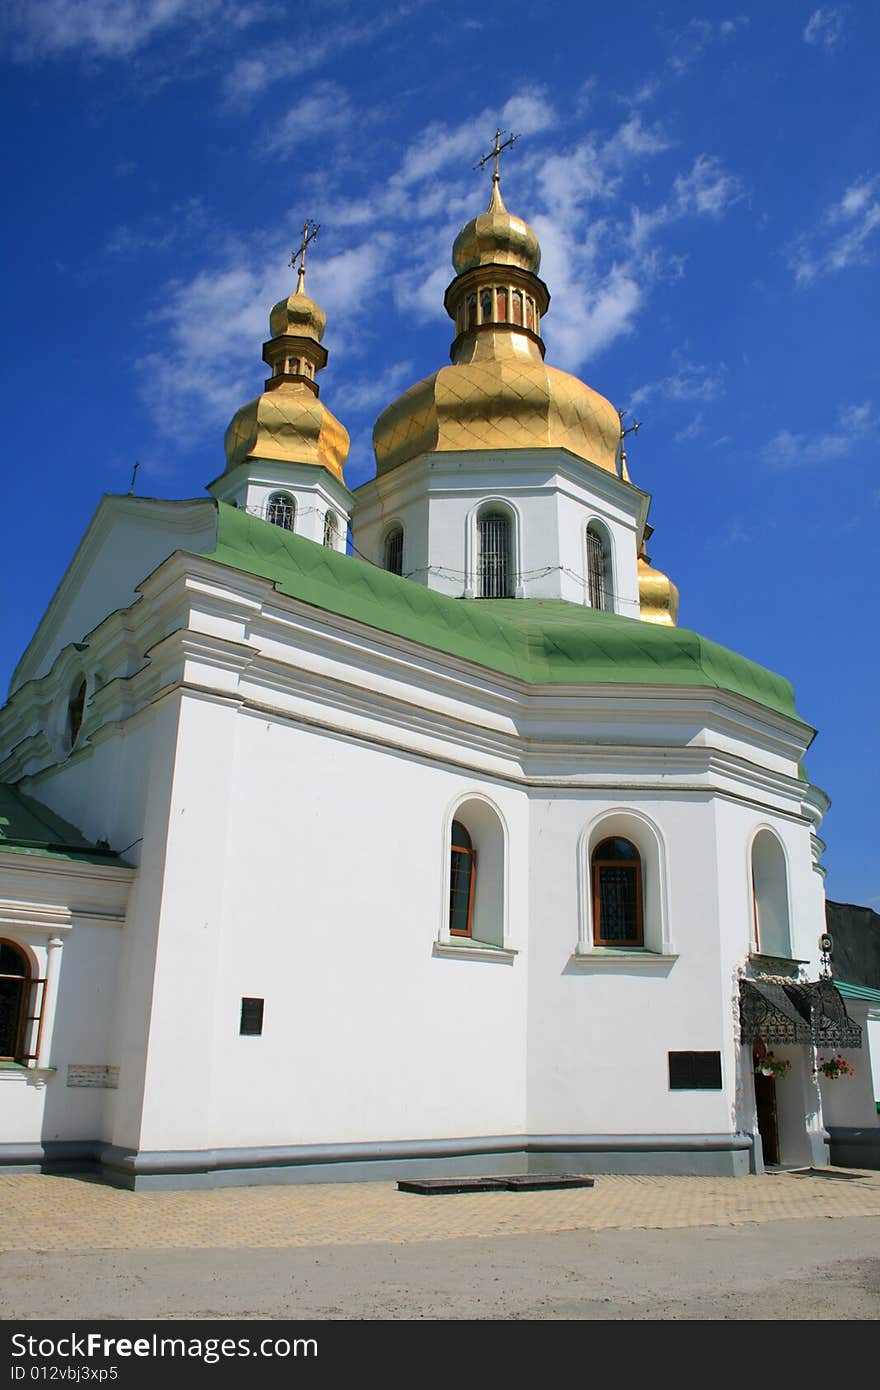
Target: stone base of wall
{"x":855,"y":1148}
{"x":716,"y":1155}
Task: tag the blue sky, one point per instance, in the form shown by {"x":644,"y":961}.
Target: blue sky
{"x":705,"y":183}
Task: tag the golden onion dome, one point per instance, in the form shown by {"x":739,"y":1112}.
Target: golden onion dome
{"x":498,"y":403}
{"x":658,"y":596}
{"x":290,"y":424}
{"x":496,"y":237}
{"x":297,"y":316}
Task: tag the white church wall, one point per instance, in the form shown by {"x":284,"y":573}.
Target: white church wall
{"x":127,"y":539}
{"x":308,"y":872}
{"x":602,"y":1068}
{"x":550,"y":503}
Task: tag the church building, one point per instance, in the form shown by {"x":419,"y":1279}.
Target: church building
{"x":451,"y":855}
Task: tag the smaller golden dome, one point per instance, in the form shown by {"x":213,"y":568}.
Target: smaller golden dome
{"x":299,"y":317}
{"x":289,"y":424}
{"x":496,"y":237}
{"x":658,"y":596}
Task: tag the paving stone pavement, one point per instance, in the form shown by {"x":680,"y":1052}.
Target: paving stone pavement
{"x":42,"y":1213}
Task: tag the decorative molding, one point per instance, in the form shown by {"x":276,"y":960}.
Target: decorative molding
{"x":475,"y":950}
{"x":601,"y":958}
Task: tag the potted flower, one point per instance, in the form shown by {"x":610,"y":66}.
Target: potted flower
{"x":833,"y":1067}
{"x":770,"y":1065}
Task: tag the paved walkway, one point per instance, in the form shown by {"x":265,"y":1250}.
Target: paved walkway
{"x":39,"y":1213}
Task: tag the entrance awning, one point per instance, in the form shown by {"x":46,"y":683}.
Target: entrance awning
{"x":790,"y":1012}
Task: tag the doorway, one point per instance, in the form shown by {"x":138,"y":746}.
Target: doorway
{"x":768,"y":1119}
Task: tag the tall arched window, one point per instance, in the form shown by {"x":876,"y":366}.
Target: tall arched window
{"x":330,"y":528}
{"x":770,"y":888}
{"x":463,"y":875}
{"x":493,"y":555}
{"x":281,"y":510}
{"x":617,"y":893}
{"x":15,"y":979}
{"x":598,"y":570}
{"x":394,"y":550}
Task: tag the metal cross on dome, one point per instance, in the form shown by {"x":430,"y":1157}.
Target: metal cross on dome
{"x":310,"y":231}
{"x":495,"y":153}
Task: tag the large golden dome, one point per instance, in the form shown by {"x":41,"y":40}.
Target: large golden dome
{"x":498,"y":403}
{"x":499,"y":393}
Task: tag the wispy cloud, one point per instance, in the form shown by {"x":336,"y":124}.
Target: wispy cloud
{"x":788,"y":449}
{"x":113,"y":29}
{"x":825,"y":27}
{"x":326,"y":108}
{"x":690,"y":43}
{"x":708,"y":189}
{"x":843,"y":235}
{"x":691,"y":431}
{"x":157,"y":233}
{"x":689,"y":381}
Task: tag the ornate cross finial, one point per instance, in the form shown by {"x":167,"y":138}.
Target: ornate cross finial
{"x":633,"y":429}
{"x":495,"y":152}
{"x":310,"y":231}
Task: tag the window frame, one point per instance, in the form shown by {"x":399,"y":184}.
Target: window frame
{"x":604,"y":587}
{"x":471,"y":854}
{"x":28,"y":1014}
{"x":331,"y":529}
{"x":597,"y":863}
{"x":493,"y":512}
{"x":392,"y":535}
{"x":285,"y":500}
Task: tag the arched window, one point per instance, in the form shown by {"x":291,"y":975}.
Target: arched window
{"x":15,"y":980}
{"x":493,"y":555}
{"x":281,"y":510}
{"x":598,"y":570}
{"x":530,"y":313}
{"x":617,"y":893}
{"x":330,"y":530}
{"x":471,"y":310}
{"x":463,"y":875}
{"x":485,"y":306}
{"x":394,"y":550}
{"x":75,"y":709}
{"x":770,"y":889}
{"x":501,"y":299}
{"x":517,"y":302}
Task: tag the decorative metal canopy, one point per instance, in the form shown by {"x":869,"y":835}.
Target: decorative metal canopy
{"x":789,"y":1012}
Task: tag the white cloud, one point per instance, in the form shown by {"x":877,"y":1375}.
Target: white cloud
{"x":842,"y":236}
{"x":112,"y":28}
{"x":689,"y":381}
{"x":690,"y":431}
{"x":706,"y":190}
{"x":377,"y":389}
{"x":824,"y":27}
{"x":788,"y":449}
{"x":326,"y":108}
{"x":698,"y":35}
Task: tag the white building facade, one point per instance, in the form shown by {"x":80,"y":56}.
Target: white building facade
{"x":458,"y":858}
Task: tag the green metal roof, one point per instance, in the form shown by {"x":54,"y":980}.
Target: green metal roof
{"x":29,"y":827}
{"x":536,"y":640}
{"x":871,"y":996}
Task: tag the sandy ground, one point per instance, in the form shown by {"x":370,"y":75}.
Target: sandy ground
{"x":791,"y":1269}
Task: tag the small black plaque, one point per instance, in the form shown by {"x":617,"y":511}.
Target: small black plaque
{"x":695,"y":1071}
{"x":251,"y":1025}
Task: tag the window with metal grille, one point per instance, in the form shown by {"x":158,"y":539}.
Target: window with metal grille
{"x":494,"y":576}
{"x":617,"y":894}
{"x":280,"y":510}
{"x":251,"y":1025}
{"x":463,"y":872}
{"x":394,"y":551}
{"x":330,"y":530}
{"x":695,"y":1071}
{"x":597,"y":570}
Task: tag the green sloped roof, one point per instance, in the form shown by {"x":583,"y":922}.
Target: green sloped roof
{"x":864,"y":992}
{"x":29,"y":827}
{"x":536,"y":640}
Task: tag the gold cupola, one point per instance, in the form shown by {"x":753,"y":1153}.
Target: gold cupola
{"x":658,"y":596}
{"x":288,"y":423}
{"x":498,"y":393}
